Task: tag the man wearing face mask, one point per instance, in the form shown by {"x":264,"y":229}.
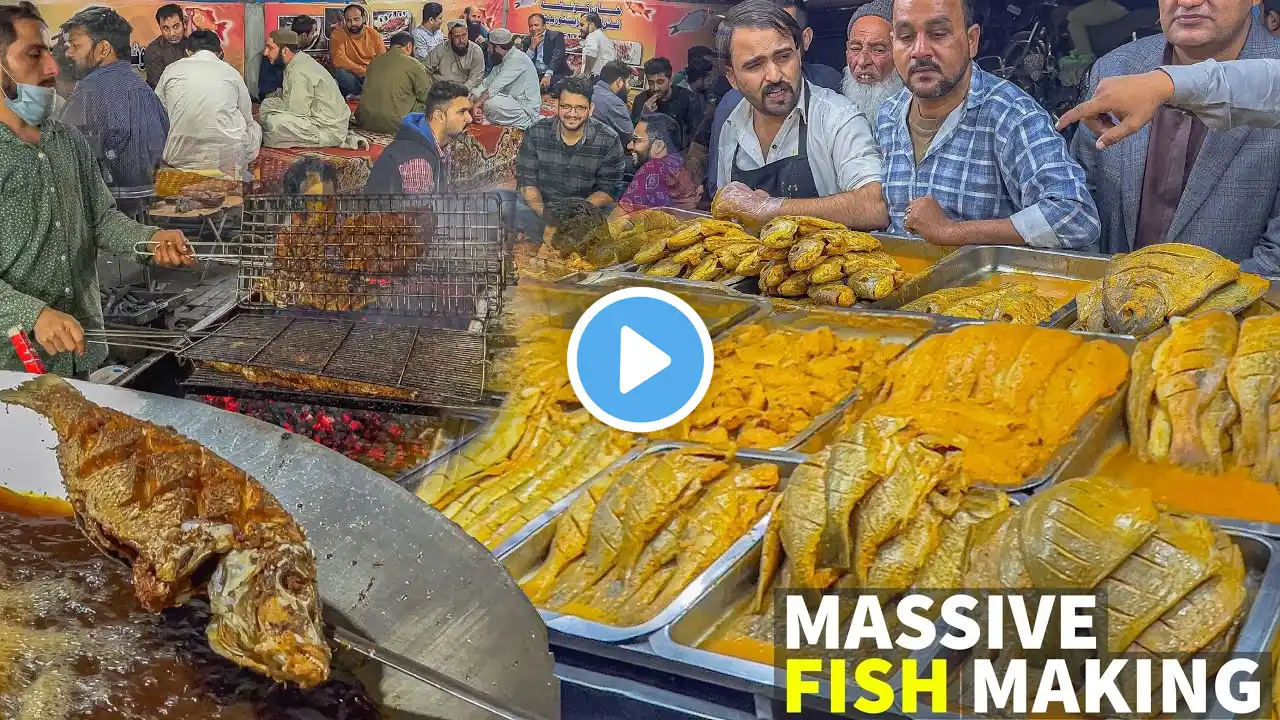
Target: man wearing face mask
{"x":112,"y":104}
{"x":55,"y":211}
{"x":792,"y":148}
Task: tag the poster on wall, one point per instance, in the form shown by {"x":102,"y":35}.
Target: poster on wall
{"x":390,"y":22}
{"x":640,"y":29}
{"x":224,"y":19}
{"x":388,"y":18}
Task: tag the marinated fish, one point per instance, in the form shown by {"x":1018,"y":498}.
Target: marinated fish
{"x":1205,"y":613}
{"x":570,"y":539}
{"x":174,"y":510}
{"x":770,"y":557}
{"x":943,"y":568}
{"x":671,"y":484}
{"x":844,"y":241}
{"x":900,"y":557}
{"x":1191,"y":368}
{"x":800,"y":519}
{"x":490,"y":447}
{"x":1253,"y":376}
{"x":1236,"y":296}
{"x":856,"y":463}
{"x":1145,"y":288}
{"x":888,"y":506}
{"x":1142,"y":389}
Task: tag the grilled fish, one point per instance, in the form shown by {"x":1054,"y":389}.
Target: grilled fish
{"x":174,"y":510}
{"x":1253,"y":376}
{"x":1191,"y":368}
{"x":1143,"y":289}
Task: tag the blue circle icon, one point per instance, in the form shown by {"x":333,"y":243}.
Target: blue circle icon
{"x":640,"y":359}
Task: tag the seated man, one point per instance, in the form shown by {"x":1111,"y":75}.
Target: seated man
{"x":112,"y":105}
{"x":428,"y":35}
{"x":510,"y":95}
{"x":1177,"y":181}
{"x":458,"y":59}
{"x":970,"y":159}
{"x":661,"y":179}
{"x":546,"y":49}
{"x":170,"y":45}
{"x":271,"y":75}
{"x":352,"y":46}
{"x":210,"y":115}
{"x":662,"y":96}
{"x":870,"y":77}
{"x":412,"y":162}
{"x":310,"y":111}
{"x":571,"y":155}
{"x":791,"y":147}
{"x":395,"y":86}
{"x":609,"y":99}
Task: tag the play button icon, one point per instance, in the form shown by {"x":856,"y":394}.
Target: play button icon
{"x":640,"y":359}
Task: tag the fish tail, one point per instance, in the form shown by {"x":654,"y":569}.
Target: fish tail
{"x":38,"y":393}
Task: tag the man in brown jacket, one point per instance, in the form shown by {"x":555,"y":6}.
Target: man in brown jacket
{"x":352,"y":47}
{"x":396,"y":85}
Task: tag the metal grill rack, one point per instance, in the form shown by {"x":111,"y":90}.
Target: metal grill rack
{"x":407,"y":362}
{"x":417,"y":255}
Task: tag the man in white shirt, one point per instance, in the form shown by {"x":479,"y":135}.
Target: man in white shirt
{"x":793,"y":148}
{"x":428,"y":35}
{"x":597,"y":48}
{"x":511,"y":94}
{"x":211,"y":125}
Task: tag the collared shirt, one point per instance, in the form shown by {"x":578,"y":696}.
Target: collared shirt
{"x":539,"y":56}
{"x":662,"y":182}
{"x":611,"y":110}
{"x":515,"y":77}
{"x":424,"y":41}
{"x":1175,"y":142}
{"x":210,"y":116}
{"x":597,"y":51}
{"x":446,"y":64}
{"x":56,"y":214}
{"x":996,"y":156}
{"x":395,"y":86}
{"x":1229,"y":94}
{"x":842,"y":152}
{"x":311,"y":95}
{"x":683,"y":106}
{"x":160,"y":54}
{"x":559,"y":171}
{"x":113,"y":103}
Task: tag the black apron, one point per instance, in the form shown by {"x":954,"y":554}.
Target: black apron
{"x":786,"y":178}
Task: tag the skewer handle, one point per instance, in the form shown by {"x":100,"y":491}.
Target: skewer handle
{"x":27,"y":354}
{"x":431,"y":677}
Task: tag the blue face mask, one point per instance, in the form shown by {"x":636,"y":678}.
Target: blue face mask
{"x":33,"y":104}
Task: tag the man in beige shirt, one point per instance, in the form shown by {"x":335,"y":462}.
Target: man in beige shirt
{"x":458,"y":60}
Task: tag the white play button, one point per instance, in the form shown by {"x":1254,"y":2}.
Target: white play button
{"x":638,"y":361}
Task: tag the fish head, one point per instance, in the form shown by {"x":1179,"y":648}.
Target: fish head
{"x":1141,"y":311}
{"x":266,"y":613}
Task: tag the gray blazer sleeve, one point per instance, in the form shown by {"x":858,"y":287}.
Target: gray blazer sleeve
{"x":1229,"y":94}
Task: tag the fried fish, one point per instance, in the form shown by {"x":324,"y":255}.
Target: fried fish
{"x":189,"y":523}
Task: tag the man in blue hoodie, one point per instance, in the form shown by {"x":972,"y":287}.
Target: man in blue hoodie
{"x":412,"y":163}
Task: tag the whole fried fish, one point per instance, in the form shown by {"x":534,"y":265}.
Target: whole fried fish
{"x":177,"y":512}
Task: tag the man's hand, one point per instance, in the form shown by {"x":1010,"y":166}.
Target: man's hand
{"x":1121,"y":106}
{"x":926,"y":218}
{"x":171,"y":249}
{"x":750,"y":207}
{"x":546,"y":81}
{"x":651,"y":104}
{"x":58,"y":332}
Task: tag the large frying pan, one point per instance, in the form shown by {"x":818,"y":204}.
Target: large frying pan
{"x":390,"y":567}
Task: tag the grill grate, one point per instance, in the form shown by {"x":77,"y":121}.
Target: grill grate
{"x":434,"y":364}
{"x":439,"y":255}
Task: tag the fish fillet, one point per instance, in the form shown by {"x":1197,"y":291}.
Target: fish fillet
{"x":174,"y":511}
{"x":1254,"y":379}
{"x":888,"y":507}
{"x":1191,"y":367}
{"x":1142,"y":390}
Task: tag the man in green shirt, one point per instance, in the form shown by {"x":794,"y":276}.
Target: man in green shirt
{"x":55,"y":210}
{"x":394,"y":86}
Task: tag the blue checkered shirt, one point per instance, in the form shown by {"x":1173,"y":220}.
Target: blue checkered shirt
{"x":997,"y":157}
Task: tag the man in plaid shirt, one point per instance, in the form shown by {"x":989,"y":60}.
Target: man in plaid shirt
{"x":969,"y":158}
{"x":571,"y":155}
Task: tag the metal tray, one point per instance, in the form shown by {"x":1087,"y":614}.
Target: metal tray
{"x":456,"y":430}
{"x":525,"y":556}
{"x":974,"y":264}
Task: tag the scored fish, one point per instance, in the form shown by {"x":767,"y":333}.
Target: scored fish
{"x":189,"y":523}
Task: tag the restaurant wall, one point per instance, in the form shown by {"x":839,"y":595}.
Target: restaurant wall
{"x":389,"y":16}
{"x":226,"y":19}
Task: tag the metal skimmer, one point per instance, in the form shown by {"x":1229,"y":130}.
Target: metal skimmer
{"x":432,"y":364}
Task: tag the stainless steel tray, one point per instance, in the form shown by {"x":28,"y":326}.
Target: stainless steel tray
{"x":976,"y":263}
{"x":527,"y":554}
{"x":618,"y":279}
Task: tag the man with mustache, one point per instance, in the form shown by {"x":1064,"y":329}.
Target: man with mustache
{"x":56,"y":213}
{"x":352,"y":46}
{"x":546,"y":49}
{"x":661,"y":178}
{"x":310,"y":110}
{"x":459,"y":60}
{"x":609,"y":100}
{"x":510,"y":95}
{"x":869,"y":76}
{"x":971,"y":159}
{"x":792,"y":148}
{"x":1179,"y":181}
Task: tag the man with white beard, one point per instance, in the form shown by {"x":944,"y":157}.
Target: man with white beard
{"x":869,"y":76}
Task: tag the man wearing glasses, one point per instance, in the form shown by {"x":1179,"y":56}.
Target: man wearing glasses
{"x":571,"y":155}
